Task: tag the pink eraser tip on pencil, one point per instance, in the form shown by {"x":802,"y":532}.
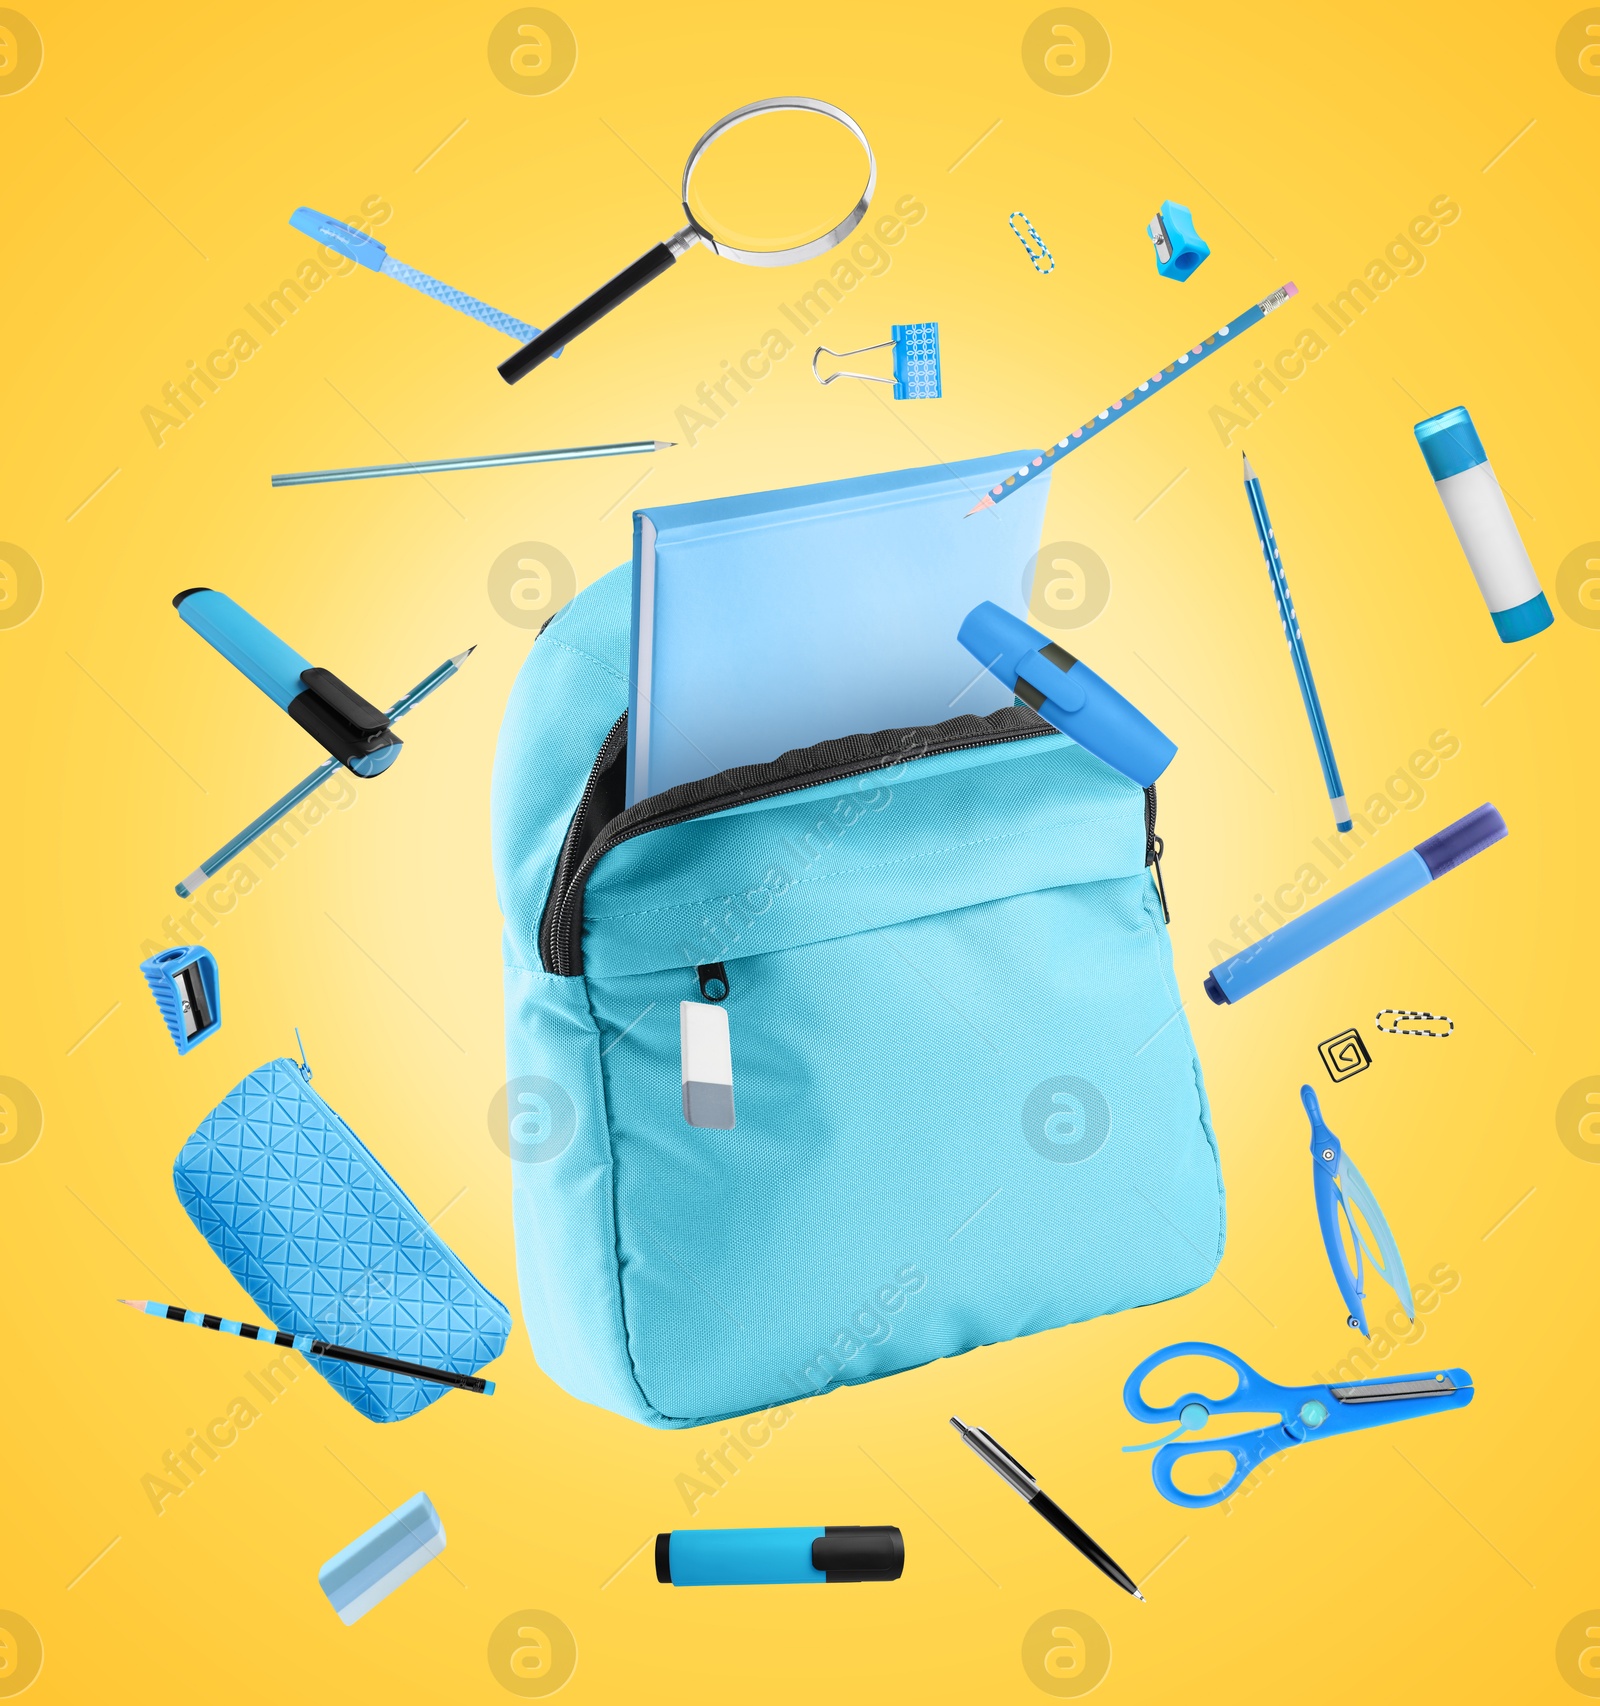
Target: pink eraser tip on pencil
{"x":1292,"y":288}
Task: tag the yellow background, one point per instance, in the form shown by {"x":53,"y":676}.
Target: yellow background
{"x":149,"y":172}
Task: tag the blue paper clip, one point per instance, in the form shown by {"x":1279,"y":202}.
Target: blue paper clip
{"x":1179,"y":247}
{"x":1340,"y":1188}
{"x":916,"y":362}
{"x":1036,"y":251}
{"x":184,"y":983}
{"x":367,"y":251}
{"x":1304,"y":1413}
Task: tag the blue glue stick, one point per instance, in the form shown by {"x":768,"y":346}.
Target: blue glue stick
{"x":721,"y":1557}
{"x":1067,"y":693}
{"x":1477,"y":510}
{"x":1302,"y":937}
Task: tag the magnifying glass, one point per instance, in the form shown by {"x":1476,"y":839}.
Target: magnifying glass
{"x":656,"y":262}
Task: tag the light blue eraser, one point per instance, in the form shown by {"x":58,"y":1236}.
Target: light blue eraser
{"x":373,"y":1566}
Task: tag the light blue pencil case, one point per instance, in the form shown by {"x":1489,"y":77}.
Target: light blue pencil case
{"x":327,"y":1243}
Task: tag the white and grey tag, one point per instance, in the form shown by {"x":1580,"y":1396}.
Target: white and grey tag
{"x":707,"y":1065}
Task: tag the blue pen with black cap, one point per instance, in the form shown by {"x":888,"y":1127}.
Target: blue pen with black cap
{"x":1387,"y":886}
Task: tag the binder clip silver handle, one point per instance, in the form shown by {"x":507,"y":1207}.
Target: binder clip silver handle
{"x":844,"y":373}
{"x":917,"y":375}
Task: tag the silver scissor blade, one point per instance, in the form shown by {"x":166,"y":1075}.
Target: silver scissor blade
{"x":1384,"y":1389}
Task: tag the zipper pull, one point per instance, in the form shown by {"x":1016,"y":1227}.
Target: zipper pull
{"x":1157,"y":848}
{"x":713,"y":981}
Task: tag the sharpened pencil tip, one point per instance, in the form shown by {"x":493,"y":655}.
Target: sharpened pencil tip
{"x":461,"y":657}
{"x":666,"y":444}
{"x":1249,"y":472}
{"x":132,"y":1302}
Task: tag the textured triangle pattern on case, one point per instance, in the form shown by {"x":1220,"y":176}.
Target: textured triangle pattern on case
{"x":327,"y":1243}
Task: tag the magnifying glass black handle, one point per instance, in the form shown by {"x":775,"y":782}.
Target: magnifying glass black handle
{"x":581,"y":318}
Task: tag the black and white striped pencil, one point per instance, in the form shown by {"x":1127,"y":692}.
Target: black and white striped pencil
{"x":308,"y":1346}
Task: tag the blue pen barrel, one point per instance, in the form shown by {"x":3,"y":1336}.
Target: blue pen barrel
{"x":1312,"y":931}
{"x":734,"y":1557}
{"x":1376,"y":892}
{"x":252,"y":649}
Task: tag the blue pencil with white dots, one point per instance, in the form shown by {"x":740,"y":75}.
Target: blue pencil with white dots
{"x":1145,"y":389}
{"x":309,"y":1346}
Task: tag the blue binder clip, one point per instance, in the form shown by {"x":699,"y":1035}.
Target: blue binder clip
{"x":916,"y":362}
{"x":1179,"y":247}
{"x":184,"y":983}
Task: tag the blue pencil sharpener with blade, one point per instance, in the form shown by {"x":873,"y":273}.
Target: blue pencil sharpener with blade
{"x":1179,"y":247}
{"x":184,"y":983}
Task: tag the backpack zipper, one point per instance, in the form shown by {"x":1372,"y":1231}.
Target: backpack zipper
{"x":561,"y":927}
{"x":610,"y":750}
{"x":1154,"y":847}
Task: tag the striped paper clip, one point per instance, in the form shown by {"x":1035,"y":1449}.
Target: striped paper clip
{"x":1038,"y":250}
{"x":1399,"y":1030}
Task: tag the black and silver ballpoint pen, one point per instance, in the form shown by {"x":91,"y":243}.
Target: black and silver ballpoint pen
{"x":1009,"y":1470}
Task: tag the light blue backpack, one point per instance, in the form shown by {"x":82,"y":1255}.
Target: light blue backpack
{"x":966,"y":1101}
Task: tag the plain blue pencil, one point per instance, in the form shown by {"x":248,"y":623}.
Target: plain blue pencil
{"x":1297,"y":649}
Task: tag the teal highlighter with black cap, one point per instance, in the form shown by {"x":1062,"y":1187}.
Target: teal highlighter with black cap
{"x":1067,"y":693}
{"x":730,"y":1557}
{"x":337,"y":717}
{"x":356,"y":734}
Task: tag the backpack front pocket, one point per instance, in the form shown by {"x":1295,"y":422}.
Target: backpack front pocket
{"x":967,"y":1101}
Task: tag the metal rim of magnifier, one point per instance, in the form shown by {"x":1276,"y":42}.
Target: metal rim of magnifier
{"x":696,"y":232}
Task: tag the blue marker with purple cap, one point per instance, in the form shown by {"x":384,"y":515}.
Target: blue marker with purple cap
{"x":1387,"y":886}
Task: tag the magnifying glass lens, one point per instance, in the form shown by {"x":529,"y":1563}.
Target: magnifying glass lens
{"x":777,"y":180}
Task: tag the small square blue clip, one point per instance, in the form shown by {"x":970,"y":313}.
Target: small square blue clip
{"x":916,"y":362}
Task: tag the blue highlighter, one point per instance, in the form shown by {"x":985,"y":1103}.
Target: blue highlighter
{"x":1387,"y":886}
{"x":1067,"y":693}
{"x":725,"y":1557}
{"x":354,"y":732}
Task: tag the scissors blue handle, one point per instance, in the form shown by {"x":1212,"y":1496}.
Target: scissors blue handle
{"x":1304,"y":1413}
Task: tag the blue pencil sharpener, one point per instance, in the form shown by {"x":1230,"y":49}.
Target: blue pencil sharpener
{"x":184,"y":983}
{"x":1179,"y":247}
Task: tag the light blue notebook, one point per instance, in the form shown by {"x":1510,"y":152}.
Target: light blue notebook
{"x":776,"y":620}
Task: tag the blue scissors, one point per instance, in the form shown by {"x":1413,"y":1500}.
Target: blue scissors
{"x":1304,"y":1413}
